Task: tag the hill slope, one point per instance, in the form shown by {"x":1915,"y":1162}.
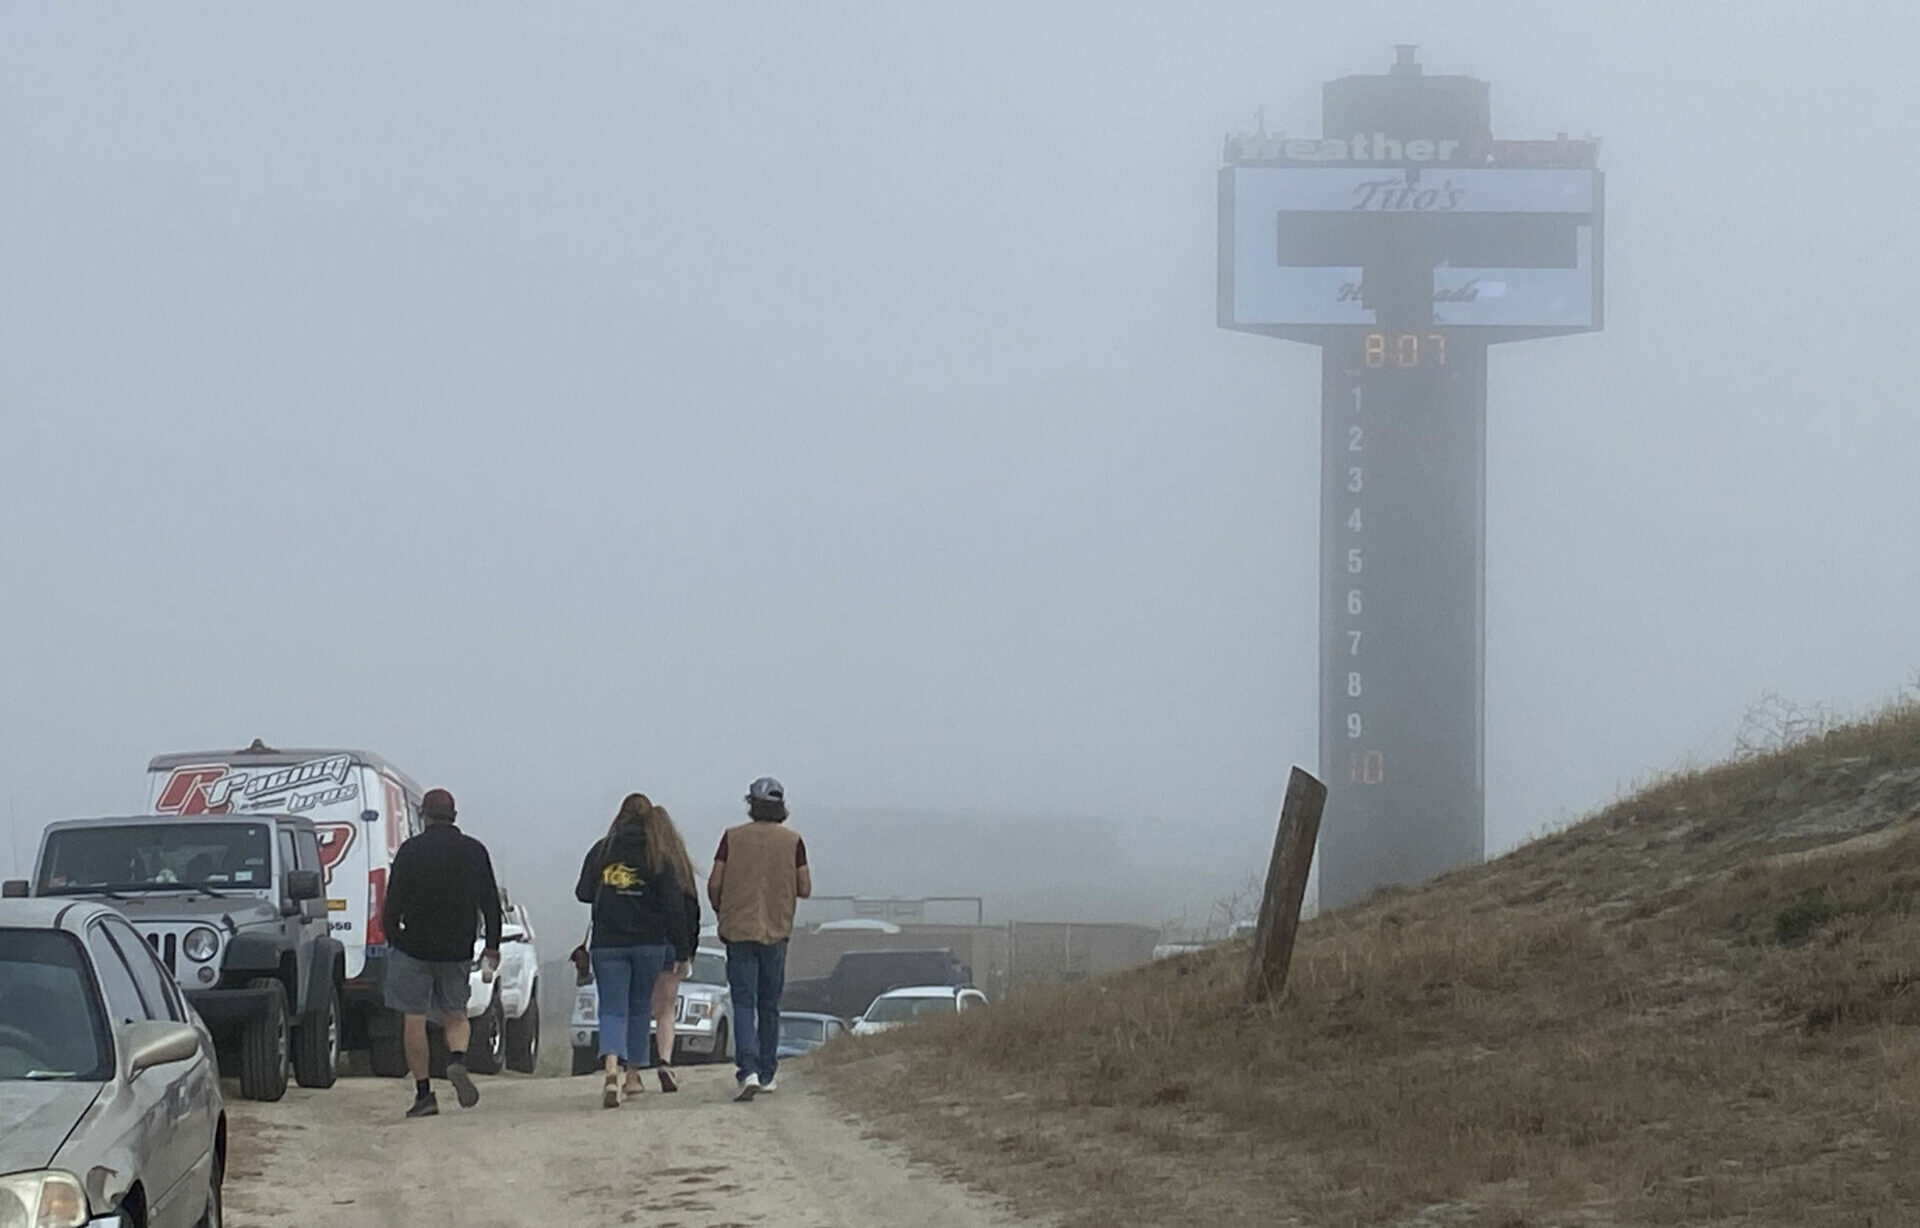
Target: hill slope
{"x":1700,"y":1006}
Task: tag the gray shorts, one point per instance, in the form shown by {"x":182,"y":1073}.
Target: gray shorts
{"x":419,"y":987}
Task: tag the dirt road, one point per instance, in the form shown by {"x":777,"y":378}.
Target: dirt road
{"x":542,"y":1152}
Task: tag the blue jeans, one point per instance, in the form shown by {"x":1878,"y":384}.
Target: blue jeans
{"x":756,"y":973}
{"x":625,"y":976}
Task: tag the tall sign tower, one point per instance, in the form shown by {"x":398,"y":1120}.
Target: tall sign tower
{"x":1404,"y":242}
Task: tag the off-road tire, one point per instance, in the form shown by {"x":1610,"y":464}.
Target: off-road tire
{"x":523,"y":1037}
{"x":586,"y":1061}
{"x":387,"y":1047}
{"x":266,"y":1046}
{"x":316,"y":1044}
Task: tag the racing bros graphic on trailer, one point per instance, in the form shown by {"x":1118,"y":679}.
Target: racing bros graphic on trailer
{"x":214,"y":788}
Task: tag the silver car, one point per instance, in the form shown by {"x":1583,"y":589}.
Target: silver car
{"x":108,"y":1086}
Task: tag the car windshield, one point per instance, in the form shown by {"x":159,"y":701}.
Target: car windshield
{"x":51,"y":1026}
{"x":709,"y":968}
{"x":802,"y":1029}
{"x":157,"y":856}
{"x":896,"y":1010}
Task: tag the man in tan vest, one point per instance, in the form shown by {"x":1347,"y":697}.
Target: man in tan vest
{"x":758,"y":874}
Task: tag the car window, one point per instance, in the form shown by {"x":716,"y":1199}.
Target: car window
{"x":792,"y":1028}
{"x":172,"y":856}
{"x":709,"y":968}
{"x":897,"y":1010}
{"x":289,"y":855}
{"x":307,"y":845}
{"x":152,"y":980}
{"x":124,"y":1003}
{"x":51,"y":1027}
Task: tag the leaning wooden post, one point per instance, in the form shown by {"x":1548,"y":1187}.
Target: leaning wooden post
{"x":1286,"y":886}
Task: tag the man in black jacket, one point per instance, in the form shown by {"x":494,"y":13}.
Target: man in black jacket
{"x":440,"y":887}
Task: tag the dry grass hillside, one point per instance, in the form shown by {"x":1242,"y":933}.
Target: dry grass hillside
{"x":1700,"y":1006}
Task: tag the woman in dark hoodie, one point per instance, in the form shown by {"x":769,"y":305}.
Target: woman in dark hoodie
{"x":640,"y":927}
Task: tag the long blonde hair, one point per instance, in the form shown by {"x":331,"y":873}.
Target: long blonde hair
{"x":665,"y":843}
{"x":664,"y":847}
{"x":636,"y":813}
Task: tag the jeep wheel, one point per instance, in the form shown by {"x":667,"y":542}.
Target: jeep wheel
{"x":265,"y":1051}
{"x":316,"y":1044}
{"x":523,"y":1037}
{"x":585,"y":1060}
{"x":487,"y":1046}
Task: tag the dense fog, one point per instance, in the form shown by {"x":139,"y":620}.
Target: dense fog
{"x":569,"y":401}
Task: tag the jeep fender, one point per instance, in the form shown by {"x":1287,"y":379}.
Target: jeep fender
{"x":254,"y":954}
{"x":323,"y":974}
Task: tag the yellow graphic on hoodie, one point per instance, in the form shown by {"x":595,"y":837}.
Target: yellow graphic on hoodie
{"x":620,"y":876}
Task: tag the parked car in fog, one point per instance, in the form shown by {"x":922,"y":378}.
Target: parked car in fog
{"x":898,"y":1006}
{"x":108,"y":1086}
{"x":804,"y":1031}
{"x":703,"y":1016}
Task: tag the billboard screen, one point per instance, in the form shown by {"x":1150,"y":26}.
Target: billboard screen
{"x":1507,"y":247}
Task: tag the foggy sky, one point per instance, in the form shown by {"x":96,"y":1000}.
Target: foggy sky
{"x":564,"y":400}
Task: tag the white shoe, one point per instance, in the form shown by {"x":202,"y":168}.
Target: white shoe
{"x":768,"y":1088}
{"x":749,"y":1088}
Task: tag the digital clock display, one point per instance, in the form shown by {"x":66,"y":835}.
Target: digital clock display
{"x":1403,"y":350}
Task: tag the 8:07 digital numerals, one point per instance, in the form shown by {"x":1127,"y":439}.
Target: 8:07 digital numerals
{"x":1364,"y":766}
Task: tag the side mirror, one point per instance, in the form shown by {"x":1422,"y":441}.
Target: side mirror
{"x":304,"y":885}
{"x":15,"y":889}
{"x":858,"y":1020}
{"x":159,"y":1044}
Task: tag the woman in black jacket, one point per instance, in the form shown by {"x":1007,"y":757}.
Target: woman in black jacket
{"x":639,"y":928}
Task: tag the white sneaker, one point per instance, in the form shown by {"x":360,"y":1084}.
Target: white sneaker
{"x":749,"y":1088}
{"x":768,"y":1088}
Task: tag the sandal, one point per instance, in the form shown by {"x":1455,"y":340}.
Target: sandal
{"x":636,"y":1083}
{"x":610,"y":1094}
{"x":667,"y":1082}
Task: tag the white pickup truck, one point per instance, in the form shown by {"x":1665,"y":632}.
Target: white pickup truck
{"x":703,"y":1016}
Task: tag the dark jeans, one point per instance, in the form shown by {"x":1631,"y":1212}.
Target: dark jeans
{"x":756,"y":973}
{"x":625,"y":977}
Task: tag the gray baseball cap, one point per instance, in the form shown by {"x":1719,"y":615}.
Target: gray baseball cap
{"x":766,"y":789}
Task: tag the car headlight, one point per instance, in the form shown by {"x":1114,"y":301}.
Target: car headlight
{"x":201,"y":945}
{"x":586,"y":1007}
{"x":43,"y":1200}
{"x":698,"y":1009}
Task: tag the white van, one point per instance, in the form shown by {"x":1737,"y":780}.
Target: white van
{"x":362,"y":808}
